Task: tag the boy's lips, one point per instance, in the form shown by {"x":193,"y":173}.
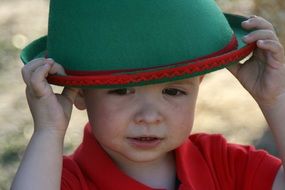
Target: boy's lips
{"x":145,"y":142}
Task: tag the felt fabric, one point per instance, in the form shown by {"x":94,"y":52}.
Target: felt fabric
{"x":130,"y":34}
{"x":203,"y":162}
{"x":144,"y":42}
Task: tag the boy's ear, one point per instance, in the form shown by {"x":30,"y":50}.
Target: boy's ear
{"x":79,"y":101}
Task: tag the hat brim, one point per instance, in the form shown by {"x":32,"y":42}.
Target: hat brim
{"x":37,"y":49}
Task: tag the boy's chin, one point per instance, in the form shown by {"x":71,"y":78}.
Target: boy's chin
{"x":147,"y":157}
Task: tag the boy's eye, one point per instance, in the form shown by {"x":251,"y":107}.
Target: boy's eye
{"x":122,"y":91}
{"x":173,"y":92}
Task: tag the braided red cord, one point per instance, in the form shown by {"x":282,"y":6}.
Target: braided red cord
{"x":205,"y":65}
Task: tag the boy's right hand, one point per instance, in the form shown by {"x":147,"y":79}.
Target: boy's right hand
{"x":50,"y":111}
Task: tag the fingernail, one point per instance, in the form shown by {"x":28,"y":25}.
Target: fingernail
{"x":246,"y":37}
{"x":253,"y":16}
{"x":49,"y":61}
{"x":246,"y":22}
{"x":260,"y":42}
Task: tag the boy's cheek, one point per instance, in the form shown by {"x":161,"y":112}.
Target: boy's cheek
{"x":180,"y":134}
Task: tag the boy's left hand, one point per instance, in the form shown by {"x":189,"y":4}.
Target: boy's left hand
{"x":263,"y":75}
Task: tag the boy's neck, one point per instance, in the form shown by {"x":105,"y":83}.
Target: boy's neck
{"x":160,"y":174}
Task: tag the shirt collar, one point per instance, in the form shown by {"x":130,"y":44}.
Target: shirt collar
{"x":98,"y":167}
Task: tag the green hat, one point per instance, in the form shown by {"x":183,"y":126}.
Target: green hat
{"x":121,"y":43}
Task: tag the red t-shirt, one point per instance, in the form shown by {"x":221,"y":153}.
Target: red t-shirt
{"x":205,"y":162}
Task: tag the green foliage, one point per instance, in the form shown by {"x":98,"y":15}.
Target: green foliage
{"x":12,"y":145}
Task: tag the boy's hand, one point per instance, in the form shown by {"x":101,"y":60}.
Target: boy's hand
{"x":50,"y":111}
{"x":264,"y":74}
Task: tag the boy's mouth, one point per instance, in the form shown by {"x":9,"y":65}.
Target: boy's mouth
{"x":146,"y":138}
{"x":145,"y":142}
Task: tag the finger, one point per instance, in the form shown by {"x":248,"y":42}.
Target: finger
{"x":57,"y":69}
{"x":70,"y":94}
{"x":273,"y":46}
{"x":255,"y":22}
{"x":31,"y":67}
{"x":275,"y":49}
{"x":38,"y":83}
{"x":67,"y":99}
{"x":260,"y":35}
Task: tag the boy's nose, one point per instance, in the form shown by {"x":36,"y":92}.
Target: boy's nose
{"x":148,"y":114}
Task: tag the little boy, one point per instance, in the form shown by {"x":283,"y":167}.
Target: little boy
{"x":136,"y":67}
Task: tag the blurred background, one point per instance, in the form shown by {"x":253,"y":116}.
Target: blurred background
{"x":223,"y":107}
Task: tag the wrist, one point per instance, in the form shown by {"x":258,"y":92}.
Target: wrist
{"x":51,"y":133}
{"x":275,"y":105}
{"x":274,"y":114}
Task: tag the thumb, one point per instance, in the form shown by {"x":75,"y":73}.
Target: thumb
{"x":70,"y":94}
{"x":234,"y":68}
{"x":67,"y":99}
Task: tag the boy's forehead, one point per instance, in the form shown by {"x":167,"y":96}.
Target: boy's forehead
{"x":188,"y":81}
{"x":194,"y":81}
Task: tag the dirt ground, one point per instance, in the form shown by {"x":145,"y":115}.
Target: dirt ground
{"x":223,"y":105}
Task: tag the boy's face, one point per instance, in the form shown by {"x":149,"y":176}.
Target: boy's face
{"x":142,"y":124}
